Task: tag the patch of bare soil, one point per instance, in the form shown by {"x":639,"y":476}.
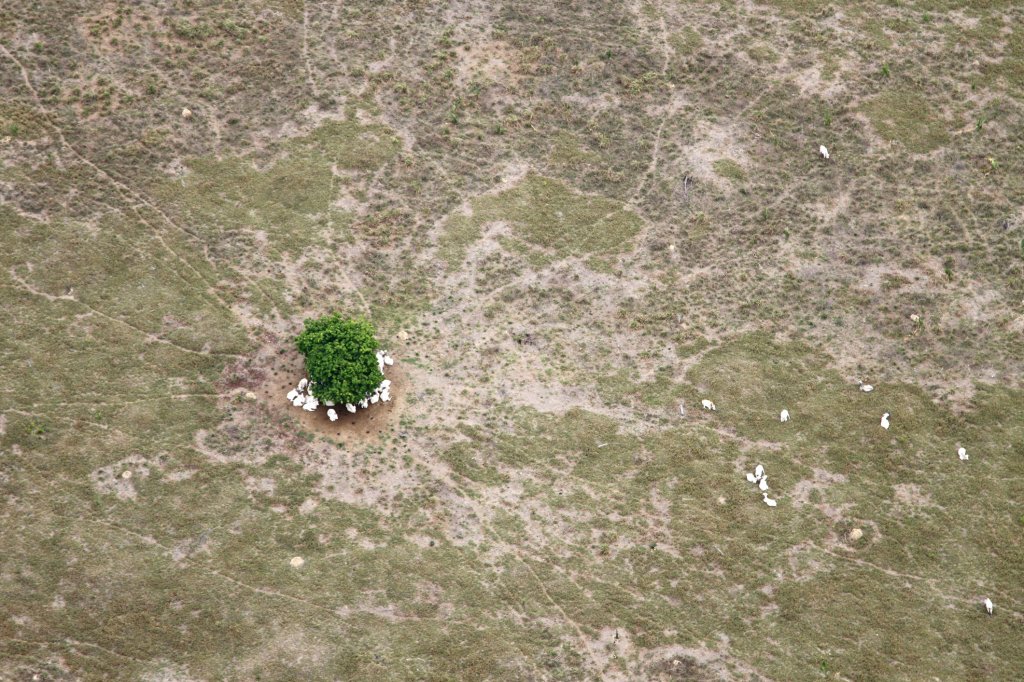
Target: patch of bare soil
{"x":527,"y":378}
{"x":923,"y":279}
{"x":695,"y":664}
{"x":494,"y":61}
{"x":118,"y":478}
{"x":714,"y":142}
{"x":611,"y":646}
{"x":910,"y":496}
{"x":346,"y":478}
{"x":846,"y":530}
{"x":833,"y":207}
{"x":283,"y":645}
{"x":682,"y":668}
{"x":804,"y":561}
{"x":820,"y":480}
{"x":365,"y":426}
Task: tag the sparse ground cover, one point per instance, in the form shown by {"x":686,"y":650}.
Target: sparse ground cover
{"x":565,"y":220}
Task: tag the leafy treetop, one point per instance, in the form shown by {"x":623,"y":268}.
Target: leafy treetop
{"x":341,"y":358}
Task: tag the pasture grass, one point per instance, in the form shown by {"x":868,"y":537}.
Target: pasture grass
{"x":526,"y":202}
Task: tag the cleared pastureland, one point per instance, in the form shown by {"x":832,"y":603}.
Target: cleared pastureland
{"x":565,"y":222}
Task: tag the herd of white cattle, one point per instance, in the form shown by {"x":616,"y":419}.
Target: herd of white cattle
{"x":302,"y":395}
{"x":759,"y":477}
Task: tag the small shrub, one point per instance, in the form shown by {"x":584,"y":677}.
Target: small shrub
{"x":189,"y":31}
{"x":341,"y":358}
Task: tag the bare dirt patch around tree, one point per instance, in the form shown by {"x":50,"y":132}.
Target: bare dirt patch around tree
{"x":284,"y":371}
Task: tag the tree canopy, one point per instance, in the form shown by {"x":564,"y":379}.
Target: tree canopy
{"x":341,"y":358}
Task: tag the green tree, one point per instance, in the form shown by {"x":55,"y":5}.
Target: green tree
{"x":341,"y":358}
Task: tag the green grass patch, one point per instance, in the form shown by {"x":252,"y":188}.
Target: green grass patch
{"x":686,"y":42}
{"x":907,"y":118}
{"x":465,"y":461}
{"x":567,"y":151}
{"x":546,"y":214}
{"x":351,"y":145}
{"x":729,"y":169}
{"x":285,"y":207}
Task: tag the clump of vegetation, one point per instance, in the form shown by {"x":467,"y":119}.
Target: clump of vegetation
{"x":907,"y":117}
{"x":727,"y":168}
{"x":341,"y":358}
